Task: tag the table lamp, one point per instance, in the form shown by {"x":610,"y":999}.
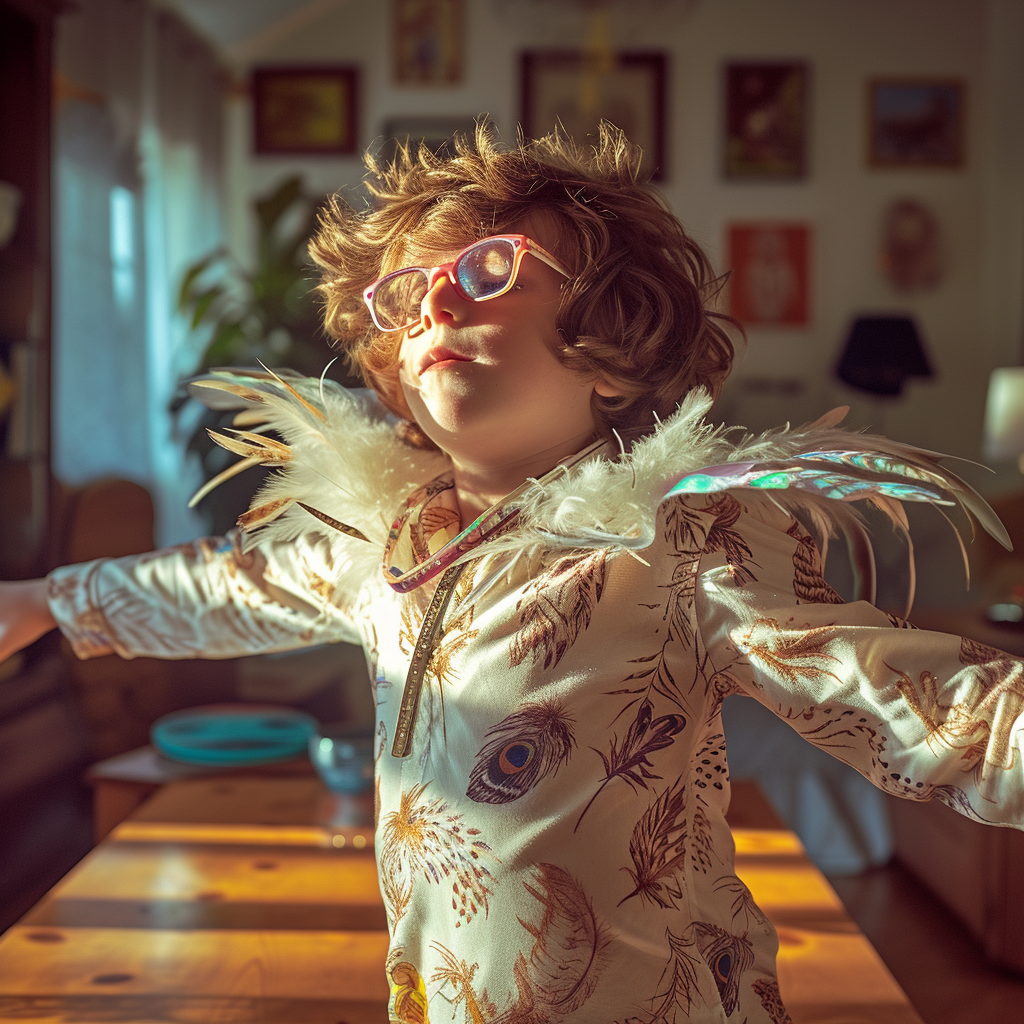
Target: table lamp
{"x":1004,"y":439}
{"x":881,"y":353}
{"x":1004,"y":415}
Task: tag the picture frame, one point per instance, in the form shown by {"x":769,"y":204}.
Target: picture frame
{"x":916,"y":122}
{"x":766,"y":122}
{"x":564,"y":87}
{"x":428,"y":41}
{"x":436,"y":132}
{"x":769,"y":273}
{"x":306,"y":111}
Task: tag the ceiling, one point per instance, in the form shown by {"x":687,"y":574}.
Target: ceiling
{"x":241,"y":29}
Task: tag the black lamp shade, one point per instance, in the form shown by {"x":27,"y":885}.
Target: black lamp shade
{"x":881,"y":353}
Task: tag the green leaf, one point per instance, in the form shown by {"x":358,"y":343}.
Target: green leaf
{"x":271,"y":209}
{"x":192,"y":274}
{"x":203,"y":301}
{"x":223,"y":344}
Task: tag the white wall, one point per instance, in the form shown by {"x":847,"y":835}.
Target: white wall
{"x":971,"y":322}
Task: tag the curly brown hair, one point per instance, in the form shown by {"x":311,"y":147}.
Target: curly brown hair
{"x":636,"y":311}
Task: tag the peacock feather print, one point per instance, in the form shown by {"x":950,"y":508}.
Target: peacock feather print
{"x":728,"y":956}
{"x":679,"y":983}
{"x":684,"y":528}
{"x":564,"y":965}
{"x":966,"y":725}
{"x":423,"y":838}
{"x":523,"y":748}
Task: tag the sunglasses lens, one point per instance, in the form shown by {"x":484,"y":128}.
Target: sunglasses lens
{"x":397,"y":299}
{"x":486,"y":269}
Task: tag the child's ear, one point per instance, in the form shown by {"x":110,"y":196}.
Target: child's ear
{"x":605,"y":389}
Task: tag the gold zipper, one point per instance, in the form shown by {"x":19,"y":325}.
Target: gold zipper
{"x":424,"y":648}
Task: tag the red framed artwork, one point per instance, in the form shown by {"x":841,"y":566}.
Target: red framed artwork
{"x":572,"y":89}
{"x":769,"y":283}
{"x":304,"y":110}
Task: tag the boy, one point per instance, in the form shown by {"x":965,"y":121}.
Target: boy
{"x":550,"y":633}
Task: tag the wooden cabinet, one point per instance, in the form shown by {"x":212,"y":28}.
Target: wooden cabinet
{"x":26,"y":43}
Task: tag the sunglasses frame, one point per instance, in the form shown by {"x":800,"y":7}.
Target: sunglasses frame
{"x":521,"y":245}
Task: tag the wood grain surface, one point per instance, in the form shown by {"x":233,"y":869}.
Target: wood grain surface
{"x":255,"y":900}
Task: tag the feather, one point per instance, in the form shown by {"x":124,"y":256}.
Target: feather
{"x":862,"y":558}
{"x":525,"y":747}
{"x":828,"y":420}
{"x":348,"y":466}
{"x":349,"y":531}
{"x":242,"y":391}
{"x":227,"y":474}
{"x":265,"y":449}
{"x":250,"y":418}
{"x":567,"y":956}
{"x":318,"y":413}
{"x":263,"y":514}
{"x":728,"y":956}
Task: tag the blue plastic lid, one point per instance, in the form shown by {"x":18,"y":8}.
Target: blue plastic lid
{"x":233,"y":736}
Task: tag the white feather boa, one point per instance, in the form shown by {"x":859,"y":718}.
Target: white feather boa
{"x":343,"y":459}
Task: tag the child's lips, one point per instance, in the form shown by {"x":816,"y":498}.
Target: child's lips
{"x":439,"y":357}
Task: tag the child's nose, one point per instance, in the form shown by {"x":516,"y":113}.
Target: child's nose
{"x":439,"y":302}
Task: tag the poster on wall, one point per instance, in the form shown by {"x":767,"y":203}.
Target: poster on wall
{"x":916,"y":122}
{"x":571,"y":89}
{"x":428,"y":41}
{"x":769,"y":281}
{"x":310,"y":110}
{"x":766,"y":120}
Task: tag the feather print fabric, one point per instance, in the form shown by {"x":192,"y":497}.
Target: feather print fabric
{"x":554,"y":850}
{"x":529,"y":745}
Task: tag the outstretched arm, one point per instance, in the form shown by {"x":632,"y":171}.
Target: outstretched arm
{"x":24,"y":615}
{"x":919,"y":714}
{"x":207,"y":599}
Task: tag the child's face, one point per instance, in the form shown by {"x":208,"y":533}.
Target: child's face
{"x":481,"y":378}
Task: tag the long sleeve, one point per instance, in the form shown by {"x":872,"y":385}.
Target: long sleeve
{"x":919,"y":714}
{"x":207,"y":599}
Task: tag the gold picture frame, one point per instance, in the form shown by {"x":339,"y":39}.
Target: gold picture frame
{"x":305,"y":110}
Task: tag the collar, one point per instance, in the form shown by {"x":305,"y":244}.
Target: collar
{"x":425,"y":539}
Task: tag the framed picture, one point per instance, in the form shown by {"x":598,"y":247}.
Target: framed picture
{"x":766,"y":120}
{"x":304,"y":110}
{"x":436,"y":132}
{"x":916,"y":122}
{"x":428,"y":41}
{"x":769,"y":281}
{"x":563,"y":87}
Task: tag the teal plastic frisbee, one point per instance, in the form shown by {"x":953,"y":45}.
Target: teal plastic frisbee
{"x":233,"y":736}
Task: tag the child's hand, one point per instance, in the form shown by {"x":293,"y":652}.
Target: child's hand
{"x":24,"y":615}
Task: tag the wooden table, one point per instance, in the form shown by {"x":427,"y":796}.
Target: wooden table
{"x":256,"y":900}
